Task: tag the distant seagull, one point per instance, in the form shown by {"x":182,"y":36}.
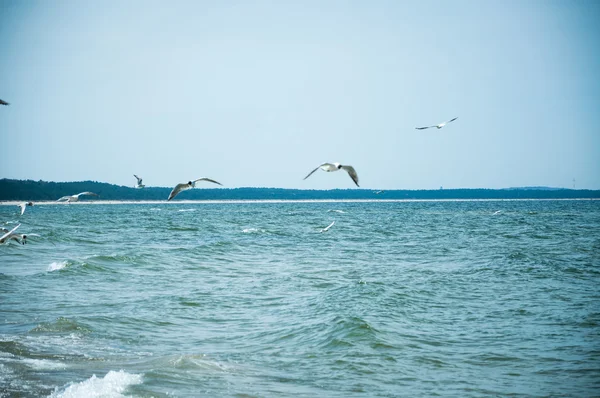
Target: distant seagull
{"x":139,"y":182}
{"x":11,"y":235}
{"x":377,"y":192}
{"x":75,"y":198}
{"x":327,"y":227}
{"x":189,"y":185}
{"x":24,"y":205}
{"x":439,"y":126}
{"x":335,"y":167}
{"x":3,"y":102}
{"x":497,"y":212}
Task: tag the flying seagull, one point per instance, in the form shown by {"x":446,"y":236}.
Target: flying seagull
{"x":438,"y":126}
{"x":3,"y":102}
{"x":24,"y":205}
{"x":189,"y":185}
{"x":11,"y":235}
{"x":75,"y":198}
{"x":327,"y":227}
{"x":335,"y":167}
{"x":139,"y":182}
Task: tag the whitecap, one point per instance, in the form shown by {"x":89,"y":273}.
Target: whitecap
{"x":253,"y":230}
{"x":111,"y":385}
{"x":57,"y":265}
{"x":336,"y":211}
{"x":44,"y":364}
{"x":185,"y":210}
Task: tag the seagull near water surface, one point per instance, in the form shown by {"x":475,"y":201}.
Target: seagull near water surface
{"x":329,"y":167}
{"x":24,"y":205}
{"x":438,"y":126}
{"x":327,"y":227}
{"x":75,"y":198}
{"x":189,"y":185}
{"x":11,"y":235}
{"x":139,"y":182}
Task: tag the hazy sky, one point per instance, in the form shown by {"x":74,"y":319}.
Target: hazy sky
{"x":258,"y":93}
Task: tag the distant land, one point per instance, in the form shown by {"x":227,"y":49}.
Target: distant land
{"x":28,"y":190}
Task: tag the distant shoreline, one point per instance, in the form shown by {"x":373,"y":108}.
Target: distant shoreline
{"x":44,"y":191}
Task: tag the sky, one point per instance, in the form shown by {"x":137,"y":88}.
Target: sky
{"x":259,"y":93}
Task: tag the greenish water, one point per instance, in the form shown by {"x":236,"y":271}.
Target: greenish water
{"x":461,"y":298}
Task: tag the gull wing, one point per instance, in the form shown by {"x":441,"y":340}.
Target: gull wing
{"x":327,"y":227}
{"x":324,"y":164}
{"x":22,"y":206}
{"x":3,"y":102}
{"x":452,"y":120}
{"x":423,"y":128}
{"x":352,"y":174}
{"x":86,"y":193}
{"x":139,"y":180}
{"x":178,"y":188}
{"x":63,"y":198}
{"x":205,"y":179}
{"x":6,"y":235}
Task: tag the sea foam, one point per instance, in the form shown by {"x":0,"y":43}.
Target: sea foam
{"x":57,"y":265}
{"x":111,"y":385}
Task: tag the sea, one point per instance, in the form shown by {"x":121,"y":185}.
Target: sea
{"x":253,"y":299}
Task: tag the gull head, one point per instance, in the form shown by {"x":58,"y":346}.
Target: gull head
{"x":337,"y":165}
{"x":23,"y":239}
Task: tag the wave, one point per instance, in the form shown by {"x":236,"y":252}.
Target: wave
{"x":60,"y":325}
{"x":111,"y":385}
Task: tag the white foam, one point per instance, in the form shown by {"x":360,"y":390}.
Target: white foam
{"x":55,"y":266}
{"x":336,"y":211}
{"x":186,"y":210}
{"x":111,"y":385}
{"x":44,"y":364}
{"x":252,"y":230}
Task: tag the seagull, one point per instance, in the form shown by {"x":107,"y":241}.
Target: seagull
{"x":3,"y":102}
{"x":139,"y":182}
{"x":11,"y":235}
{"x":75,"y":198}
{"x":189,"y":185}
{"x":335,"y":167}
{"x":438,"y":126}
{"x":327,"y":227}
{"x":24,"y":205}
{"x":377,"y":192}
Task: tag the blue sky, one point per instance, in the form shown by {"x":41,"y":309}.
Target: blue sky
{"x":258,"y":93}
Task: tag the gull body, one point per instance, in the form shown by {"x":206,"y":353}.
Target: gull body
{"x":24,"y":205}
{"x":189,"y":185}
{"x":3,"y":102}
{"x":438,"y":126}
{"x":329,"y":167}
{"x":75,"y":198}
{"x":139,"y":182}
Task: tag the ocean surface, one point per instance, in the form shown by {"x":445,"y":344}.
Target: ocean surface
{"x":250,"y":299}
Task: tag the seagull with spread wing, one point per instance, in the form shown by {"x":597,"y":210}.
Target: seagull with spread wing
{"x":75,"y":198}
{"x":189,"y":185}
{"x":139,"y":182}
{"x":438,"y":126}
{"x":24,"y":205}
{"x":329,"y":167}
{"x":11,"y":235}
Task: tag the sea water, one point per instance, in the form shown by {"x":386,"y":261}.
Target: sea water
{"x":251,"y":299}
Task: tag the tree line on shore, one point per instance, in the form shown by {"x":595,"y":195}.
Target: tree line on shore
{"x":11,"y":189}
